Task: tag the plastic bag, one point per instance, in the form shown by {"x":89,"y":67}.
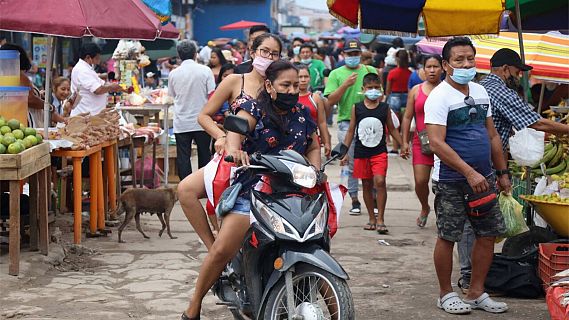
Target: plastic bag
{"x":513,"y":216}
{"x":527,"y":146}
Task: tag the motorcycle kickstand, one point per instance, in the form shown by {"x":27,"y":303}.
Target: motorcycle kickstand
{"x":290,"y":296}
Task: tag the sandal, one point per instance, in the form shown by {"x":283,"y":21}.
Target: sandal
{"x":486,"y":303}
{"x":381,"y":229}
{"x":422,"y":219}
{"x":452,"y":304}
{"x":370,"y":226}
{"x":185,"y":317}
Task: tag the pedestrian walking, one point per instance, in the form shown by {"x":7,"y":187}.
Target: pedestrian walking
{"x":216,"y":61}
{"x":369,"y":123}
{"x":315,"y":67}
{"x":422,"y":159}
{"x":190,"y":84}
{"x":396,"y":88}
{"x":466,"y":144}
{"x":343,"y":88}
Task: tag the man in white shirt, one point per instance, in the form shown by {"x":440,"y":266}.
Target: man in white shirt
{"x":190,"y":84}
{"x":86,"y":82}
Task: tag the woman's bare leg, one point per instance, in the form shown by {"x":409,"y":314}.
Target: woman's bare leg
{"x":228,"y":242}
{"x":190,"y":191}
{"x":422,"y":175}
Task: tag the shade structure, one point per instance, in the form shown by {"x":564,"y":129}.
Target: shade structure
{"x":547,"y":53}
{"x":169,"y":31}
{"x":539,"y":15}
{"x":243,"y":24}
{"x":441,"y":17}
{"x":117,"y":19}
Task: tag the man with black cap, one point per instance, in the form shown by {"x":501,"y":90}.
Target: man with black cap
{"x":509,"y":110}
{"x":343,"y":88}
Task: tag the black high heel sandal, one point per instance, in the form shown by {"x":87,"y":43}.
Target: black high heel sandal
{"x":185,"y":317}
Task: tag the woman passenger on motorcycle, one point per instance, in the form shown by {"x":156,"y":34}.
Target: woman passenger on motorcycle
{"x":277,"y":122}
{"x":235,"y":89}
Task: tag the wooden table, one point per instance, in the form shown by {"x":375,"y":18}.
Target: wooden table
{"x":33,"y":163}
{"x":146,"y":111}
{"x":97,"y":216}
{"x":110,"y":167}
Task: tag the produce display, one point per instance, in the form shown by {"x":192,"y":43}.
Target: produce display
{"x":15,"y":137}
{"x":550,"y":198}
{"x":86,"y":131}
{"x":555,"y":158}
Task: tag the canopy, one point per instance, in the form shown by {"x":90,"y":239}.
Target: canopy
{"x":441,"y":17}
{"x":539,"y":15}
{"x":548,"y":53}
{"x":243,"y":24}
{"x":169,"y":31}
{"x":117,"y":19}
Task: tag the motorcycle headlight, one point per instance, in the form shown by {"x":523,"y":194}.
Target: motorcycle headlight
{"x":270,"y":217}
{"x":303,"y":176}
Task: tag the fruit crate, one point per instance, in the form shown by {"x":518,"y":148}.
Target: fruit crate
{"x":22,"y":165}
{"x":553,"y":258}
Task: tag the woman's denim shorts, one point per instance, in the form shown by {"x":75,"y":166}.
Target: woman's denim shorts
{"x":242,"y":206}
{"x":397,"y":101}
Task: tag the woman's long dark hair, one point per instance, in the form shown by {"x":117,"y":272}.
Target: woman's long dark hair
{"x":224,"y":68}
{"x":219,"y":55}
{"x":264,"y":100}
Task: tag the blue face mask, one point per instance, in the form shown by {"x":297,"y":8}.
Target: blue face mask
{"x":372,"y":94}
{"x":462,"y":76}
{"x":352,"y":62}
{"x":296,"y":51}
{"x":306,"y":61}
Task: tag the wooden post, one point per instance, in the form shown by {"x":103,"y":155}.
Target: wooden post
{"x":77,"y":200}
{"x":110,"y":160}
{"x":63,"y":196}
{"x":100,"y":197}
{"x":93,"y":179}
{"x":14,"y":267}
{"x":34,"y":198}
{"x":42,"y":209}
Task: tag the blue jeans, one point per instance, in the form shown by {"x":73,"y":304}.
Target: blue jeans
{"x":353,"y":183}
{"x":465,"y":246}
{"x":397,"y":101}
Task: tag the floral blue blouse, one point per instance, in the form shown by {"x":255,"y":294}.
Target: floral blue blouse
{"x":267,"y":138}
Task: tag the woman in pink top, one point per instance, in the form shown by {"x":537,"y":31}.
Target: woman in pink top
{"x":422,"y":163}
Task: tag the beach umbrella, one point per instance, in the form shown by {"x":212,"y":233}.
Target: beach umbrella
{"x":243,"y":24}
{"x":441,"y":17}
{"x":539,"y":15}
{"x":118,"y":19}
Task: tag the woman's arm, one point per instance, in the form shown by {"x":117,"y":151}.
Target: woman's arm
{"x":322,"y":125}
{"x":313,"y":152}
{"x":408,"y":116}
{"x":223,"y":93}
{"x":56,"y":117}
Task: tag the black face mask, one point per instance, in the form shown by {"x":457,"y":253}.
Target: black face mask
{"x":286,"y":101}
{"x":513,"y":83}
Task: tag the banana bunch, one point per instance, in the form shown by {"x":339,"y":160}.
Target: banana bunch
{"x":555,"y":159}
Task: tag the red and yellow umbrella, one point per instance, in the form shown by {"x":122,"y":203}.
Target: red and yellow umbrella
{"x":441,"y":17}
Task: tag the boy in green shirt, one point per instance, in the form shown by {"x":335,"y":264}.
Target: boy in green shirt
{"x":343,"y":88}
{"x":315,"y":67}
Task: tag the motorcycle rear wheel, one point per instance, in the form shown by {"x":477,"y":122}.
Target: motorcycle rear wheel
{"x":317,"y":295}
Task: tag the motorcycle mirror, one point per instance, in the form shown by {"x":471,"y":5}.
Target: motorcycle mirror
{"x":340,"y":150}
{"x":236,"y":124}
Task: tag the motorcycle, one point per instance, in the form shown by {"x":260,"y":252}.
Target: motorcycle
{"x":284,"y":269}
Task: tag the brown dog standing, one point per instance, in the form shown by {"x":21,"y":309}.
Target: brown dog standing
{"x":153,"y":201}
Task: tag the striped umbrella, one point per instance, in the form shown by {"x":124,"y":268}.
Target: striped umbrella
{"x":441,"y":17}
{"x":548,"y":53}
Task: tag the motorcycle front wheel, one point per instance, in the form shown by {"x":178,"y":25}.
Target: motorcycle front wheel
{"x":317,"y":295}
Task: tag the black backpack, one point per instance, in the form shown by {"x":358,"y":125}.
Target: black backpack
{"x":515,"y":276}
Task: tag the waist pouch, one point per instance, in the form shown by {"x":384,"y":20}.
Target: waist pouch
{"x":479,"y":204}
{"x":424,"y":140}
{"x":228,"y":198}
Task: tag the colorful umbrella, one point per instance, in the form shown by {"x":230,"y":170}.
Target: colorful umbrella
{"x":441,"y":17}
{"x":162,"y":8}
{"x":548,"y":53}
{"x":240,"y":25}
{"x":539,"y":15}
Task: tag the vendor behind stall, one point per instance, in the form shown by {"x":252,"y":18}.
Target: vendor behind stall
{"x":87,"y":83}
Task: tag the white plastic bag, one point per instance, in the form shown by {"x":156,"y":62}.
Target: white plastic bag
{"x":526,"y":146}
{"x":540,"y":189}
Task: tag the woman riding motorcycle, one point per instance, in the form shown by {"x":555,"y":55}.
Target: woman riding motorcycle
{"x":276,"y":122}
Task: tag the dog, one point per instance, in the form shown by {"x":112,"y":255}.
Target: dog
{"x":154,"y":201}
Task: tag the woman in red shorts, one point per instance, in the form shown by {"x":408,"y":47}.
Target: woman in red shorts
{"x":422,"y":163}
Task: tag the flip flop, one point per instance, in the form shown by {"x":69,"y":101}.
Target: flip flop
{"x":452,"y":304}
{"x":381,"y":229}
{"x":422,"y":219}
{"x":370,"y":226}
{"x":486,"y":303}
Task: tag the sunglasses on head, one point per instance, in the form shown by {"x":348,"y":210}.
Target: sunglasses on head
{"x":469,"y":101}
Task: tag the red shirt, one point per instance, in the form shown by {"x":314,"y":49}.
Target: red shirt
{"x":307,"y":101}
{"x":399,"y":78}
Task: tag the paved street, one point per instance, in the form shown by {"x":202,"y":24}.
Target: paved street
{"x":152,"y":279}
